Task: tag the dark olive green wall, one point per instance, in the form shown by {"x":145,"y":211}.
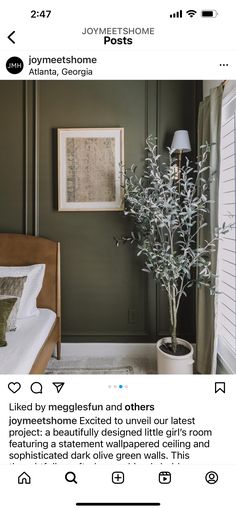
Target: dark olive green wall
{"x":101,"y":285}
{"x":12,"y":156}
{"x":100,"y":282}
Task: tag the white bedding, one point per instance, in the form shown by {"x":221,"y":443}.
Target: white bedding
{"x":24,"y":344}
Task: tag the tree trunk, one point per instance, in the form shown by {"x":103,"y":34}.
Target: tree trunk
{"x":173,"y":321}
{"x":174,"y":325}
{"x":173,"y":335}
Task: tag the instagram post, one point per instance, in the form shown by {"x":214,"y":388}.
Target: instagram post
{"x":117,"y":256}
{"x":110,"y":275}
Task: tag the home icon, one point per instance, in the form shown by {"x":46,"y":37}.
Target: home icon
{"x":24,"y":478}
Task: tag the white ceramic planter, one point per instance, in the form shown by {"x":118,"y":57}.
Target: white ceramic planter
{"x":170,"y":364}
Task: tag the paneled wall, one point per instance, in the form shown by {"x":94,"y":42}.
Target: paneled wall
{"x":105,"y":296}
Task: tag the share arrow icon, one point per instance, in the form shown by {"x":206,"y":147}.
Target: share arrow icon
{"x":58,"y":386}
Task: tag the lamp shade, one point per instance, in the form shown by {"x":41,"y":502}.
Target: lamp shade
{"x":181,"y":141}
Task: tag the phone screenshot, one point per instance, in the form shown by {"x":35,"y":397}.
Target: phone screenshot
{"x":117,"y":255}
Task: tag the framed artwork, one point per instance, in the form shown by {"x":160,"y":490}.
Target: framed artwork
{"x":90,"y":169}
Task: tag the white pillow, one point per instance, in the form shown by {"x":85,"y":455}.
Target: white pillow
{"x":32,"y":287}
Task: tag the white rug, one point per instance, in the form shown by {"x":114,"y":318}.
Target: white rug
{"x":73,"y":367}
{"x":99,"y":365}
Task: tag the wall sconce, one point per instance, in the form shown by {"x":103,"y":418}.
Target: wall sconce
{"x":180,"y":144}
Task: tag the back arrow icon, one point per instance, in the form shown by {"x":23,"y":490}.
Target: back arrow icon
{"x":9,"y":37}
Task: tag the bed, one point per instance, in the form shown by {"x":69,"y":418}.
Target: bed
{"x":32,"y":344}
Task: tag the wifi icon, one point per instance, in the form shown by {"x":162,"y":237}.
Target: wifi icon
{"x":191,"y":13}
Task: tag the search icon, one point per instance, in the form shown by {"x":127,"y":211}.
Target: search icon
{"x":70,"y":477}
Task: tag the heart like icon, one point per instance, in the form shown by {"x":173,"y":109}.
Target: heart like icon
{"x":14,"y":387}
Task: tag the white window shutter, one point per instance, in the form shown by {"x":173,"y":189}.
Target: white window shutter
{"x":226,"y":301}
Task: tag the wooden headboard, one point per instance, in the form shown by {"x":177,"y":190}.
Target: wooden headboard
{"x":24,"y":250}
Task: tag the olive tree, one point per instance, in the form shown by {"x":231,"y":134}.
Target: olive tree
{"x":169,"y":207}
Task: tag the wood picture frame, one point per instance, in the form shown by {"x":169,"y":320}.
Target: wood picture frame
{"x":90,"y":176}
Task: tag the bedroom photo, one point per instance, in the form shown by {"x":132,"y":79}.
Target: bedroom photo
{"x":117,"y":227}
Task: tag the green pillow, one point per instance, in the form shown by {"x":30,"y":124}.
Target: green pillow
{"x":12,"y":287}
{"x":6,"y":306}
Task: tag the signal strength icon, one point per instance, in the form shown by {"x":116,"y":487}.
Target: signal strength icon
{"x":191,"y":13}
{"x":178,"y":14}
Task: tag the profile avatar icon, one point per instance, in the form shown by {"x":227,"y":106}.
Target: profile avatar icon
{"x":14,"y":65}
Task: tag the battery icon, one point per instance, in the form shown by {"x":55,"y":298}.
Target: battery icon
{"x":209,"y":14}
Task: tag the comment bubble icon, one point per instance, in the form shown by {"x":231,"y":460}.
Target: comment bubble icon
{"x":36,"y":387}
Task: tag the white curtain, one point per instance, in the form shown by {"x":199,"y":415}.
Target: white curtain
{"x":209,"y":121}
